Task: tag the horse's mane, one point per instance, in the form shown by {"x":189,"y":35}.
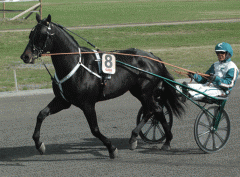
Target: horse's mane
{"x":61,"y":28}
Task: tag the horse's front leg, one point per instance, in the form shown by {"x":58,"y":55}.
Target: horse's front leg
{"x":90,"y":114}
{"x":56,"y":105}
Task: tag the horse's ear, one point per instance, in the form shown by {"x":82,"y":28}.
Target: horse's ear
{"x":38,"y":18}
{"x":49,"y":18}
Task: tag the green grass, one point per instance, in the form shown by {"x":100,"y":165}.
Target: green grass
{"x":98,"y":12}
{"x":188,"y":46}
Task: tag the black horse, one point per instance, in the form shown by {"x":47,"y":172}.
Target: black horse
{"x":84,"y":87}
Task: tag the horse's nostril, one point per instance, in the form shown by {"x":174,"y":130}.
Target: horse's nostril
{"x":25,"y":58}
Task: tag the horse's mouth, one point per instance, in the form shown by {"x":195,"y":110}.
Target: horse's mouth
{"x":32,"y":61}
{"x":28,"y":59}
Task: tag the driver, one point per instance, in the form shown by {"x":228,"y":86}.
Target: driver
{"x":222,"y":75}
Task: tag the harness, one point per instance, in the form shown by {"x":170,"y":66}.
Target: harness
{"x":60,"y":82}
{"x":99,"y":61}
{"x":55,"y":78}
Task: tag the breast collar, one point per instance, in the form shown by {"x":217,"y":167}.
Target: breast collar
{"x":60,"y":82}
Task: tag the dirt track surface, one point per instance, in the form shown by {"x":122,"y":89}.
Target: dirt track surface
{"x":71,"y":150}
{"x":139,"y":24}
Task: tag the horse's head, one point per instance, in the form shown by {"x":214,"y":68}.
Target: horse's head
{"x":39,"y":40}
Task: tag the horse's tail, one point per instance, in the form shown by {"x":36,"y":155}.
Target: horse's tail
{"x":169,"y":95}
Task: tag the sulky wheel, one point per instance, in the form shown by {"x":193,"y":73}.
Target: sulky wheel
{"x":152,"y":131}
{"x":206,"y":136}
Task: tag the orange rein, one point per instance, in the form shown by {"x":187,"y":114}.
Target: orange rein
{"x":77,"y":53}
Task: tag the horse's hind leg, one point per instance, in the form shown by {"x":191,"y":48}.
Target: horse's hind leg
{"x":160,"y":116}
{"x":135,"y":132}
{"x":150,"y":107}
{"x":90,"y":113}
{"x":56,"y":105}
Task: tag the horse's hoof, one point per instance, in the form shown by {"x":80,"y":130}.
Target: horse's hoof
{"x":166,"y":148}
{"x":42,"y":149}
{"x":133,"y":145}
{"x":114,"y":154}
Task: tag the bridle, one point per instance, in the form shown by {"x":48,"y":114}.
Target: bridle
{"x":38,"y":49}
{"x":32,"y":36}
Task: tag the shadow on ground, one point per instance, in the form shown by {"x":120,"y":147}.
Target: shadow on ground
{"x":90,"y":146}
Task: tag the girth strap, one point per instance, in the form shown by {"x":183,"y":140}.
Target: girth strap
{"x":99,"y":61}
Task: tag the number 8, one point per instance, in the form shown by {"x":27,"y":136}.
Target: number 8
{"x":108,"y":62}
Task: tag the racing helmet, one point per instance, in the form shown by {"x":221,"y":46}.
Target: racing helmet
{"x":224,"y":47}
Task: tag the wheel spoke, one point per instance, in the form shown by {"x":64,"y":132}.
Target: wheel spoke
{"x":214,"y":143}
{"x":160,"y":130}
{"x":222,"y":118}
{"x":148,"y":123}
{"x":206,"y":142}
{"x":220,"y":138}
{"x":223,"y":128}
{"x":166,"y":113}
{"x":204,"y":125}
{"x":209,"y":118}
{"x":199,"y":135}
{"x":154,"y":133}
{"x":148,"y":130}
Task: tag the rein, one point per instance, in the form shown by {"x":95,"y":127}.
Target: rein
{"x":77,"y":53}
{"x":60,"y":26}
{"x":74,"y":53}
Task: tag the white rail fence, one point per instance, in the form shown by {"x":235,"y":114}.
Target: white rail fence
{"x":30,"y":10}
